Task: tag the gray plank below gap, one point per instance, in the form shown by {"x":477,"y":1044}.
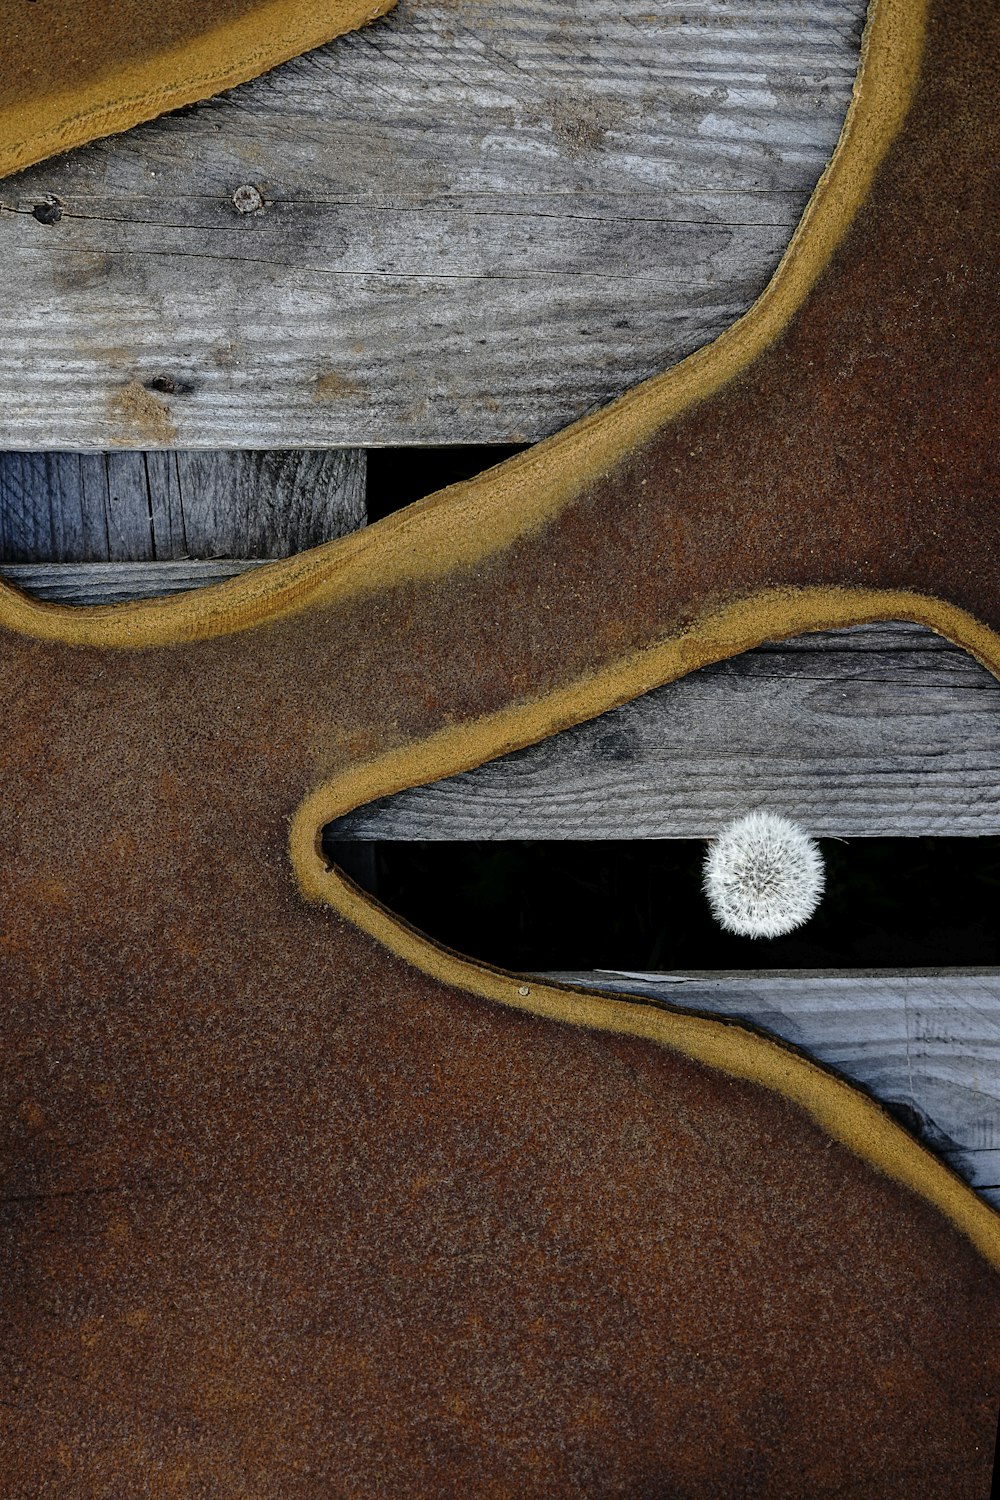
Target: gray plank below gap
{"x":925,"y":1044}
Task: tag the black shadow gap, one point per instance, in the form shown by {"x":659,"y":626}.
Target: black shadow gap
{"x":637,"y":904}
{"x":398,"y":476}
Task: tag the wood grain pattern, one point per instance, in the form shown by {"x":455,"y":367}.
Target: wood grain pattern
{"x":113,"y":583}
{"x":876,"y":730}
{"x":925,"y":1044}
{"x":477,"y":223}
{"x":928,"y":1045}
{"x":106,"y":507}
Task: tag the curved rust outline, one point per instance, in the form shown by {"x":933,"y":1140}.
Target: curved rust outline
{"x":459,"y":525}
{"x":843,"y":1111}
{"x":220,"y":57}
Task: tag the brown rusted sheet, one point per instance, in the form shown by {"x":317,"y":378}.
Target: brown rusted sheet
{"x":71,"y":70}
{"x":293,"y":1202}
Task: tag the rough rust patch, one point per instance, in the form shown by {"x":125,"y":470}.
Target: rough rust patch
{"x":142,"y":420}
{"x":334,"y":387}
{"x":73,"y":73}
{"x":442,"y":1239}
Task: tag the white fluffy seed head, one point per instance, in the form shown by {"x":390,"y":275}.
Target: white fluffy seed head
{"x":763,"y":876}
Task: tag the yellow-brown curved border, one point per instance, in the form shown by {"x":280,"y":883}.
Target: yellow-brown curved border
{"x":222,"y":56}
{"x":839,"y":1108}
{"x":459,"y":526}
{"x":467,"y":522}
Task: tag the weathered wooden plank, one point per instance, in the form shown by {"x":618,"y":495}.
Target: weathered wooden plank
{"x":113,"y":583}
{"x":475,"y":223}
{"x":95,"y":507}
{"x":877,"y":730}
{"x":925,"y":1044}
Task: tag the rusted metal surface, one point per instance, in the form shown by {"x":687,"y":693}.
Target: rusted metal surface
{"x":281,"y":1213}
{"x":72,"y":73}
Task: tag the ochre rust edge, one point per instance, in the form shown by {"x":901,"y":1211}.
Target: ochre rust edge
{"x":843,"y":1111}
{"x":225,"y":55}
{"x":458,"y":526}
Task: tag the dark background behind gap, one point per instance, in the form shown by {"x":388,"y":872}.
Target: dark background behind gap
{"x":398,"y":476}
{"x":638,"y":904}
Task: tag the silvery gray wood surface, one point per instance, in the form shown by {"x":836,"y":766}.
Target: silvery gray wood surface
{"x":113,"y":583}
{"x":477,"y":222}
{"x":925,"y":1044}
{"x":883,"y":729}
{"x":83,"y":507}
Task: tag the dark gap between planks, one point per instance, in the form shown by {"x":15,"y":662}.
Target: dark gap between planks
{"x":638,"y":905}
{"x":522,"y":905}
{"x":131,"y":506}
{"x":398,"y":476}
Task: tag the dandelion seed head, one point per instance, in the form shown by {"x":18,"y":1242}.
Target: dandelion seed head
{"x":763,"y":876}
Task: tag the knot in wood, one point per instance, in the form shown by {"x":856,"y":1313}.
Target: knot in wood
{"x":49,"y":210}
{"x":247,"y":199}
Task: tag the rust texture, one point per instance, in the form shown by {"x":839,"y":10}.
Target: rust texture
{"x":72,"y":72}
{"x":55,"y":47}
{"x":282,"y":1215}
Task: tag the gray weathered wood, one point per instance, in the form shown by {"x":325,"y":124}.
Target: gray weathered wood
{"x":113,"y":583}
{"x":926,"y":1044}
{"x":478,"y":221}
{"x":876,"y":730}
{"x":83,"y":507}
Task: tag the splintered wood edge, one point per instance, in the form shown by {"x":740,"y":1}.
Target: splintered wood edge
{"x":467,"y":522}
{"x":222,"y":56}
